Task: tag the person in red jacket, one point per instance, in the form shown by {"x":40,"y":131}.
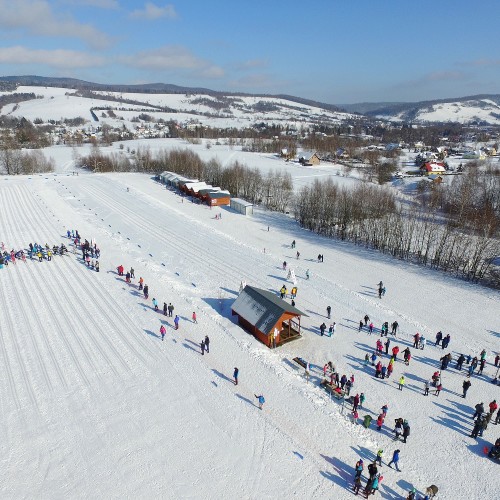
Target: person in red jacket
{"x":493,"y":406}
{"x":380,"y":421}
{"x":395,"y":351}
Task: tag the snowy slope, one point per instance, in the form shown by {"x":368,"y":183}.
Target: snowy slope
{"x":95,"y":404}
{"x":56,"y":103}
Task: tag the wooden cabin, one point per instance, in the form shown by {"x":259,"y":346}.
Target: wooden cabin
{"x":260,"y":312}
{"x":218,"y":198}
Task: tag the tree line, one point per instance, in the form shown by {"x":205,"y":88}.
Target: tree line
{"x":461,"y":239}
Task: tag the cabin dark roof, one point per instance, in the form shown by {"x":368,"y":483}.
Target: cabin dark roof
{"x":262,"y":308}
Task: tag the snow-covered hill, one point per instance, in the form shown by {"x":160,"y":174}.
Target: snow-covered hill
{"x":214,"y":111}
{"x":467,"y":110}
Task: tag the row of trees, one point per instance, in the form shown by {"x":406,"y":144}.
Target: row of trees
{"x":274,"y":189}
{"x":15,"y":161}
{"x":372,"y":217}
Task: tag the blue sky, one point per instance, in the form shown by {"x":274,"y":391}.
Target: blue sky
{"x":332,"y":51}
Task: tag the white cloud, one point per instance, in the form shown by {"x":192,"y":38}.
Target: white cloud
{"x":102,"y":4}
{"x":173,"y":57}
{"x":58,"y":58}
{"x":37,"y":18}
{"x":152,"y":11}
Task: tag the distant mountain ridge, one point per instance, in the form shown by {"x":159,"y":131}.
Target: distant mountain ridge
{"x":478,"y":109}
{"x":154,"y":88}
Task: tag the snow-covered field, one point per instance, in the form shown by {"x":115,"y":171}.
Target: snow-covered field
{"x":95,"y":404}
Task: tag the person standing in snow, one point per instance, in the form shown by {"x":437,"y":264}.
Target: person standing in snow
{"x":176,"y":322}
{"x":202,"y":345}
{"x":465,"y":387}
{"x":401,"y":382}
{"x":328,"y":311}
{"x":426,"y":388}
{"x":322,"y":328}
{"x":207,"y":344}
{"x":155,"y":304}
{"x":261,"y":400}
{"x":132,"y":272}
{"x":235,"y":375}
{"x":406,"y":432}
{"x":164,"y":308}
{"x":193,"y":317}
{"x":394,"y":328}
{"x":146,"y":291}
{"x":162,"y":331}
{"x":366,"y":318}
{"x":170,"y":309}
{"x":360,"y":325}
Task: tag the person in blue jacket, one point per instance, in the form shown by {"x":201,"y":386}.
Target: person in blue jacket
{"x":395,"y":459}
{"x":261,"y":400}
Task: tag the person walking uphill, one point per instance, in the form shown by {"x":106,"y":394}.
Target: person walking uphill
{"x":328,"y":311}
{"x":235,"y":375}
{"x":155,"y":304}
{"x":162,"y":331}
{"x":146,"y":291}
{"x":202,"y":345}
{"x":193,"y":317}
{"x":176,"y":322}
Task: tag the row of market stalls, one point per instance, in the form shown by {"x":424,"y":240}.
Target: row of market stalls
{"x":206,"y":193}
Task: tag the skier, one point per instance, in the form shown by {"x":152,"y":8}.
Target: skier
{"x":207,"y":344}
{"x":176,"y":322}
{"x":162,"y":331}
{"x":261,"y":400}
{"x":155,"y":304}
{"x":146,"y":291}
{"x":395,"y":459}
{"x":235,"y":375}
{"x":328,"y":311}
{"x":193,"y":317}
